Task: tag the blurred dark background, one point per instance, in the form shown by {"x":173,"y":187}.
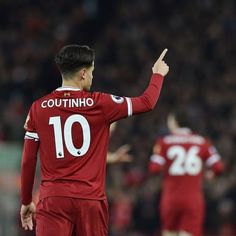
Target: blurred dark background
{"x":127,"y":36}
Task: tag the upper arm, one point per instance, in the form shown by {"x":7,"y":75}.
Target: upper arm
{"x":157,"y":159}
{"x":115,"y":107}
{"x":213,"y":158}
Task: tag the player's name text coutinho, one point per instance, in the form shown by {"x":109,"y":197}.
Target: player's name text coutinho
{"x":66,"y":102}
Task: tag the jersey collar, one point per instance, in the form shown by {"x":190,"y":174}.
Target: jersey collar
{"x":183,"y":131}
{"x":66,"y":88}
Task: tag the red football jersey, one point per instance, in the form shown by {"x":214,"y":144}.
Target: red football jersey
{"x":71,"y":129}
{"x":182,"y":156}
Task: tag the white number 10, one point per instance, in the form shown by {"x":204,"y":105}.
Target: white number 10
{"x":58,"y":134}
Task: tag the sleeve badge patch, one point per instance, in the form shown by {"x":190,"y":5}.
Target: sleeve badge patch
{"x":212,"y":150}
{"x":117,"y":99}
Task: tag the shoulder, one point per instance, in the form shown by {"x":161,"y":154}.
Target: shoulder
{"x":159,"y":143}
{"x":38,"y":102}
{"x":203,"y":139}
{"x":107,"y":97}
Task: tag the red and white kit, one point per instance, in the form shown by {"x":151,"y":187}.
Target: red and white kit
{"x":182,"y":156}
{"x":71,"y":130}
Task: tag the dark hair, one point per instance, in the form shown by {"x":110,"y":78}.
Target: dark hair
{"x":73,"y":57}
{"x":182,"y":117}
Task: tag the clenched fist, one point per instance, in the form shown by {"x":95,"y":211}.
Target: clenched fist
{"x":160,"y":67}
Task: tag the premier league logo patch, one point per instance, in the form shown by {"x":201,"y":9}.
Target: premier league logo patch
{"x":212,"y":150}
{"x":117,"y":99}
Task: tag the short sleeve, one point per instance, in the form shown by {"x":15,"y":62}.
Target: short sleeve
{"x":158,"y":153}
{"x":115,"y":107}
{"x":211,"y":154}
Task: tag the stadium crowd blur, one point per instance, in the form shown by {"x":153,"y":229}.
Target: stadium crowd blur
{"x":127,"y":37}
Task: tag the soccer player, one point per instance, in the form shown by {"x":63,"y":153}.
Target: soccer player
{"x":181,"y":156}
{"x":70,"y":128}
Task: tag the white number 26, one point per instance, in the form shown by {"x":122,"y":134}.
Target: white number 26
{"x":59,"y":133}
{"x":184,"y":161}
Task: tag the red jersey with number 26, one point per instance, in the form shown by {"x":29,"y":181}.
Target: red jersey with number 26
{"x":182,"y":157}
{"x":71,"y":129}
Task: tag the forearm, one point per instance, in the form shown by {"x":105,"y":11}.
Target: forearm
{"x":154,"y":168}
{"x":156,"y":163}
{"x":28,"y":166}
{"x":147,"y":101}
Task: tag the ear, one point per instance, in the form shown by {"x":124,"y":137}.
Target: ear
{"x":82,"y":74}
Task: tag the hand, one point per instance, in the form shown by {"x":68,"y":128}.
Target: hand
{"x":209,"y":175}
{"x":113,"y":127}
{"x":26,"y":214}
{"x":160,"y":67}
{"x":120,"y":155}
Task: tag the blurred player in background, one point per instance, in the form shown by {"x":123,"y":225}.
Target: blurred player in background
{"x":70,"y":128}
{"x":182,"y":156}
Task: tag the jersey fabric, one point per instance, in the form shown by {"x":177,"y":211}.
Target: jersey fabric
{"x":71,"y":130}
{"x":182,"y":156}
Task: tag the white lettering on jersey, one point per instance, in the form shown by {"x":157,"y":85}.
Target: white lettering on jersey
{"x":184,"y":139}
{"x":66,"y":102}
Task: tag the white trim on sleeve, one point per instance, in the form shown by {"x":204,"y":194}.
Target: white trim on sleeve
{"x":31,"y":135}
{"x":212,"y":160}
{"x":157,"y":159}
{"x":129,"y":104}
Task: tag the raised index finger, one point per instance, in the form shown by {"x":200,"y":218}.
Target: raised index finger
{"x":163,"y":54}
